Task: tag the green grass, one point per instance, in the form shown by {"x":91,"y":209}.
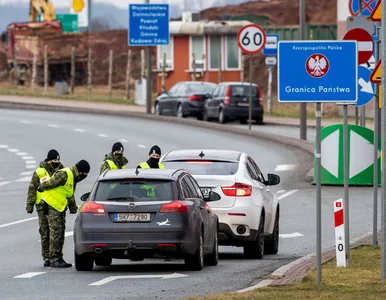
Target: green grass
{"x":362,"y":280}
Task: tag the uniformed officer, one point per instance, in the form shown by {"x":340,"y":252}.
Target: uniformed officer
{"x":115,"y":159}
{"x":44,"y":172}
{"x":153,"y":161}
{"x":58,"y":194}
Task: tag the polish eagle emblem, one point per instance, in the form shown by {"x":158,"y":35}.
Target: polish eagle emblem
{"x":317,"y":65}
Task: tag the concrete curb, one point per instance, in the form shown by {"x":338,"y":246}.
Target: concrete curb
{"x":280,"y":276}
{"x":306,"y":146}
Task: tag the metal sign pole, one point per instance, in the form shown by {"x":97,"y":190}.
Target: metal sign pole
{"x":383,"y":139}
{"x":148,"y":76}
{"x":318,"y":195}
{"x":269,"y":95}
{"x":376,"y":134}
{"x":302,"y":35}
{"x":250,"y":91}
{"x":346,"y":192}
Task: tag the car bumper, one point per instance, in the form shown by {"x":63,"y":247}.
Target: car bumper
{"x":194,"y":108}
{"x":226,"y":236}
{"x":242,"y":112}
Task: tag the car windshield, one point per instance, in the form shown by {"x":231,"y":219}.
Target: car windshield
{"x":242,"y":91}
{"x":203,"y":88}
{"x":200,"y":167}
{"x":134,"y":190}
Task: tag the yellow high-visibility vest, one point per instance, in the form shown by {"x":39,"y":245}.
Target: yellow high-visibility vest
{"x":43,"y":176}
{"x":112,"y":165}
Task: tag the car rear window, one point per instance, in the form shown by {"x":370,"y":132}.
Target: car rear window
{"x":202,"y":88}
{"x":204,"y":167}
{"x":134,"y":190}
{"x":242,"y":91}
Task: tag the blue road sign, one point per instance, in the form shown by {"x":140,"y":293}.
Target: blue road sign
{"x":365,"y":86}
{"x":367,"y":7}
{"x":148,"y":24}
{"x":271,"y":44}
{"x":318,"y":71}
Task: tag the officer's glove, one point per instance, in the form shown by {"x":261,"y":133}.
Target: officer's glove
{"x":29,"y":210}
{"x":73,"y":209}
{"x":39,"y":188}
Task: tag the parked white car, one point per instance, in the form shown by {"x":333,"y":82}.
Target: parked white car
{"x":248,"y":211}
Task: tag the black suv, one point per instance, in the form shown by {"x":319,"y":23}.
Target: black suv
{"x":230,"y":100}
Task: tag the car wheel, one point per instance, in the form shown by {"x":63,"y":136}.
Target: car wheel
{"x":212,"y":259}
{"x":255,"y":249}
{"x":272,"y":246}
{"x":103,"y":261}
{"x":157,"y":110}
{"x":84,"y":262}
{"x":259,"y":120}
{"x":180,"y":113}
{"x":243,"y":121}
{"x":196,"y":261}
{"x":221,"y":118}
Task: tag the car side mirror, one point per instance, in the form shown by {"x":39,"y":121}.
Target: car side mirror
{"x":213,"y":196}
{"x":273,"y":179}
{"x":84,"y":197}
{"x":209,"y":96}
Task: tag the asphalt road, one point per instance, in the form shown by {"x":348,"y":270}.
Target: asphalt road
{"x":25,"y":138}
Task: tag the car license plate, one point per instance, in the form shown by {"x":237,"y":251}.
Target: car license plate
{"x":138,"y":217}
{"x":243,"y":104}
{"x":205,"y":192}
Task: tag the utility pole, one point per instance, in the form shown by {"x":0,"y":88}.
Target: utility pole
{"x":302,"y":36}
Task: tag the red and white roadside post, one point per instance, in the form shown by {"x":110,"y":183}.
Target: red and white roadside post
{"x":339,"y":234}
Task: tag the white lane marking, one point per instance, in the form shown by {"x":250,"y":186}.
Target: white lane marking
{"x":13,"y":150}
{"x":27,"y":173}
{"x":289,"y":193}
{"x":18,"y":222}
{"x":78,"y":130}
{"x":21,"y":153}
{"x":31,"y":166}
{"x":141,"y":146}
{"x":24,"y":179}
{"x":25,"y":122}
{"x":280,"y":192}
{"x":4,"y":183}
{"x":30,"y":162}
{"x":29,"y":275}
{"x":123,"y":141}
{"x":53,"y":126}
{"x":112,"y":278}
{"x":102,"y":135}
{"x":3,"y":147}
{"x":286,"y":168}
{"x":290,"y":235}
{"x":27,"y":157}
{"x":68,"y":233}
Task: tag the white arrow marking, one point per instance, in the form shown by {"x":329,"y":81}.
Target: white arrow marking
{"x":290,"y":235}
{"x":112,"y":278}
{"x":330,"y":158}
{"x":367,"y":86}
{"x":29,"y":275}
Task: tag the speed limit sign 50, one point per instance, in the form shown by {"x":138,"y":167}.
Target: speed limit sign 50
{"x":251,"y":39}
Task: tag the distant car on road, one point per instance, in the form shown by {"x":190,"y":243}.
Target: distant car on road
{"x":230,"y":101}
{"x":184,"y":99}
{"x":153,"y":213}
{"x":248,"y":211}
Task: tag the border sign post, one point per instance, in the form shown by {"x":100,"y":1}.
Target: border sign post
{"x":318,"y":65}
{"x":339,"y":233}
{"x":251,"y":39}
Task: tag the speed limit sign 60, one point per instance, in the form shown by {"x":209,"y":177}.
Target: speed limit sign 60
{"x":251,"y":39}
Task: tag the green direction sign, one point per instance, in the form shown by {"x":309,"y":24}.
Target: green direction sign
{"x":69,"y":22}
{"x":360,"y":151}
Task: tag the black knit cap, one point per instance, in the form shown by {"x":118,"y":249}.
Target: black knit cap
{"x":117,"y":146}
{"x":83,"y":166}
{"x":155,"y":150}
{"x":52,"y":154}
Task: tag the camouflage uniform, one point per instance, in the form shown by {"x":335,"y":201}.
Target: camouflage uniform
{"x":31,"y":202}
{"x":56,"y":219}
{"x":119,"y":162}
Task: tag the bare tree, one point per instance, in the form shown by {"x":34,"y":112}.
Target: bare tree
{"x":100,"y":24}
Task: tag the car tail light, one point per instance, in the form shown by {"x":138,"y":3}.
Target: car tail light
{"x":258,"y":92}
{"x":227,"y":96}
{"x":93,"y":208}
{"x":196,"y":98}
{"x":174,"y":206}
{"x":237,"y":190}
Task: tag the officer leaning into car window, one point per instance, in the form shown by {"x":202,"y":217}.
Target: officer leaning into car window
{"x":153,"y":161}
{"x":115,"y":159}
{"x":44,"y":172}
{"x":58,"y":194}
